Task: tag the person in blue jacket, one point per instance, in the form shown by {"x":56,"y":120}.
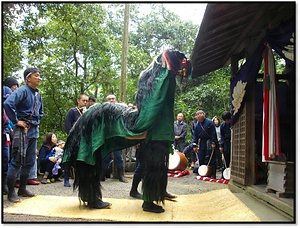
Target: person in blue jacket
{"x":191,"y":152}
{"x":204,"y":135}
{"x":225,"y":142}
{"x":24,"y":107}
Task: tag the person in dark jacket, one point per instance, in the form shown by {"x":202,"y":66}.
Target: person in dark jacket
{"x":24,"y":107}
{"x":74,"y":113}
{"x":9,"y":85}
{"x":72,"y":116}
{"x":204,"y":135}
{"x":191,"y":152}
{"x":225,"y":142}
{"x":47,"y":159}
{"x":117,"y":155}
{"x":180,"y":131}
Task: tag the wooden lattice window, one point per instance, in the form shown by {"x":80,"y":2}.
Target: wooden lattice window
{"x":243,"y":145}
{"x":238,"y":150}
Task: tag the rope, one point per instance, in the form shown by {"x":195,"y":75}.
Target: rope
{"x":178,"y":173}
{"x":222,"y":181}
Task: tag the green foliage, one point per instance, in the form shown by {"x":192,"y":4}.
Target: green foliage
{"x":11,"y":38}
{"x":78,"y":46}
{"x":211,"y":93}
{"x":162,"y":29}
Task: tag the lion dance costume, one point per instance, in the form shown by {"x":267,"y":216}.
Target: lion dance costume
{"x":108,"y":127}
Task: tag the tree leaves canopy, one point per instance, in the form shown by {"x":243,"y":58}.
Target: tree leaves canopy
{"x":78,"y":46}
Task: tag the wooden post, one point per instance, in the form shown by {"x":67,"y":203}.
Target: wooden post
{"x":123,"y":74}
{"x":124,"y":54}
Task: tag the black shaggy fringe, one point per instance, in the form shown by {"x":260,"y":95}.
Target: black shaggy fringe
{"x":87,"y":180}
{"x":156,"y":177}
{"x":87,"y":177}
{"x":146,"y":81}
{"x":84,"y":126}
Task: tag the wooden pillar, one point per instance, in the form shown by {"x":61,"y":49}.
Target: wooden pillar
{"x":124,"y":54}
{"x":243,"y":139}
{"x":234,"y":65}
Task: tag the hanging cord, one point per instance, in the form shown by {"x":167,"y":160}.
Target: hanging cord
{"x":212,"y":152}
{"x":223,"y":159}
{"x":197,"y":157}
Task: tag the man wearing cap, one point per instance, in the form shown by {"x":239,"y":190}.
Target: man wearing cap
{"x":191,"y":151}
{"x":11,"y":83}
{"x":204,"y":135}
{"x":24,"y":108}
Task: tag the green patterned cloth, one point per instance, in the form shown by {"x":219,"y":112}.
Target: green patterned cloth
{"x":106,"y":127}
{"x":109,"y":127}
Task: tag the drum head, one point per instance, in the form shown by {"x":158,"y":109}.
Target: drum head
{"x":174,"y":160}
{"x":226,"y":174}
{"x":202,"y":170}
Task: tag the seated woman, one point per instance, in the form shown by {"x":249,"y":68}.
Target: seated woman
{"x":47,"y":159}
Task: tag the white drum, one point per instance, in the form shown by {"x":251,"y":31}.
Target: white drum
{"x":177,"y":161}
{"x":226,"y":174}
{"x":204,"y":171}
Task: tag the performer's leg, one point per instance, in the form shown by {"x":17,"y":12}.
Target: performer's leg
{"x":169,"y":196}
{"x":155,"y":179}
{"x":134,"y":188}
{"x":87,"y":180}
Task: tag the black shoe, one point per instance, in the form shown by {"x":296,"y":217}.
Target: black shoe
{"x":151,"y":207}
{"x":168,"y":196}
{"x":58,"y":180}
{"x":12,"y":197}
{"x":102,"y":178}
{"x":99,"y":204}
{"x":25,"y":193}
{"x":122,"y":179}
{"x":136,"y":194}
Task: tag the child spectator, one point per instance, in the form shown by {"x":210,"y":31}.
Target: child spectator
{"x":58,"y":155}
{"x":59,"y":149}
